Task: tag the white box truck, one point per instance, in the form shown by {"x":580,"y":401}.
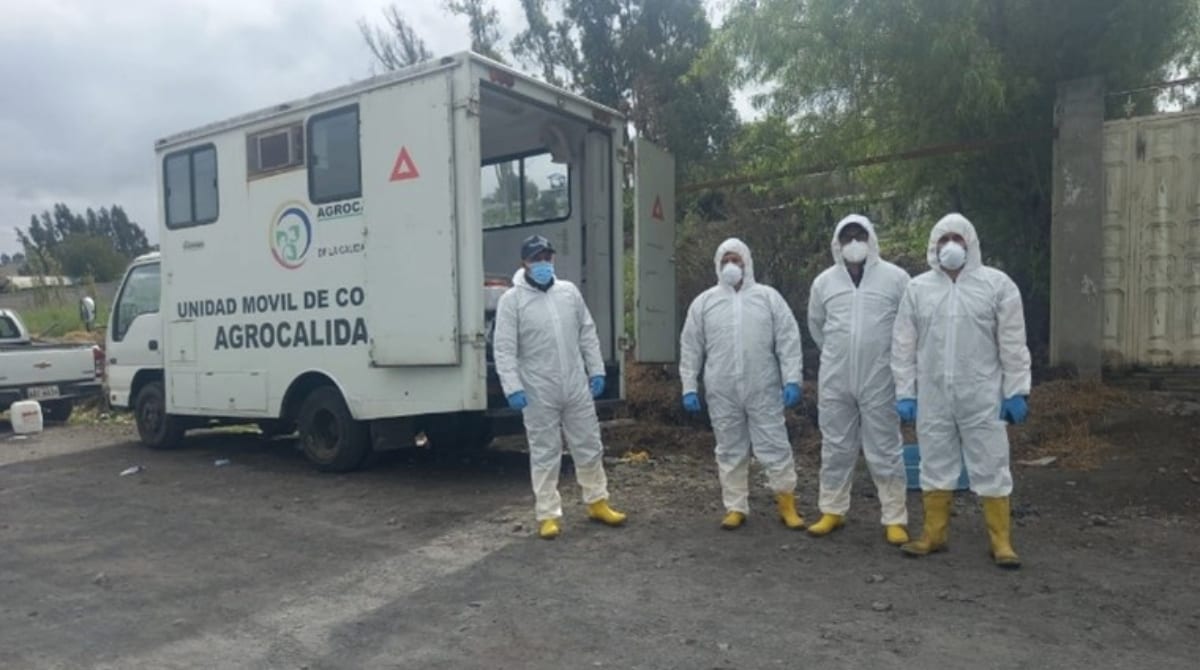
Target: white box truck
{"x":331,"y":265}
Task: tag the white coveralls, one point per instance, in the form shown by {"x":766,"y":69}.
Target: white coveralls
{"x":959,"y":349}
{"x":546,"y":346}
{"x":748,"y":345}
{"x":853,"y":328}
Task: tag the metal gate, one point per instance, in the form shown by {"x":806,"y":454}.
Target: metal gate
{"x":1151,"y":255}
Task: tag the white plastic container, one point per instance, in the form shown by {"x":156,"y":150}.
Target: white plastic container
{"x":26,"y":417}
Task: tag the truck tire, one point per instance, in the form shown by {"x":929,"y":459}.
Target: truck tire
{"x":58,"y":411}
{"x":156,"y":428}
{"x":332,"y":439}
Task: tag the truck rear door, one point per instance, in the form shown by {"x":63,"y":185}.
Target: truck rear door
{"x":655,"y":328}
{"x":411,"y":260}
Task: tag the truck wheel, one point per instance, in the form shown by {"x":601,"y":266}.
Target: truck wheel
{"x":58,"y":411}
{"x":332,"y":440}
{"x":156,"y":428}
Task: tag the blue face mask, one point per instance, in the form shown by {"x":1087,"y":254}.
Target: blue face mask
{"x":542,"y":272}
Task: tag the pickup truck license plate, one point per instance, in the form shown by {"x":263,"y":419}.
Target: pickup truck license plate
{"x":41,"y":392}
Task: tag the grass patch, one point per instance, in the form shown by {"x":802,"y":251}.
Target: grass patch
{"x":61,"y":321}
{"x":1065,"y":421}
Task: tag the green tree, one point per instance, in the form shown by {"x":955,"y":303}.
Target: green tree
{"x":91,"y":256}
{"x":483,"y":23}
{"x":396,"y":46}
{"x":854,"y":79}
{"x":639,"y":57}
{"x":94,"y":243}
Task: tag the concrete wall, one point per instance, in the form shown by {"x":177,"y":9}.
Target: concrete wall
{"x":1076,"y":237}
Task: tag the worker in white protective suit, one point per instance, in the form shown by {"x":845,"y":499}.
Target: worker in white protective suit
{"x":549,"y":362}
{"x":962,"y":369}
{"x":851,"y":309}
{"x":743,"y":337}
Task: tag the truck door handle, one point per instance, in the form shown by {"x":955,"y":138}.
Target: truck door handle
{"x":153,"y":345}
{"x":112,"y":361}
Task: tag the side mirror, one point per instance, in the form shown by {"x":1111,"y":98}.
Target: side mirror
{"x":87,"y":312}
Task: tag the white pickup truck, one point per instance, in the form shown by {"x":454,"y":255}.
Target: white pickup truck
{"x":56,"y":375}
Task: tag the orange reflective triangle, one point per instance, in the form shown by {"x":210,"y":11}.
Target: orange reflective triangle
{"x":404,"y":168}
{"x":656,"y":212}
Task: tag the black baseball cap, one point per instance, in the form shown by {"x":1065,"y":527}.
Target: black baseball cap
{"x":534,"y":245}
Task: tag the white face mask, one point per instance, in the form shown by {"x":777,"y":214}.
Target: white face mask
{"x":855,"y":251}
{"x":731,"y":274}
{"x":952,"y":256}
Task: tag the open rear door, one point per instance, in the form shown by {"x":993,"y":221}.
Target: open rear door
{"x":408,"y":179}
{"x":655,"y":331}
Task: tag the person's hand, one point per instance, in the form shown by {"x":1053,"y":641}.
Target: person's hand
{"x":792,"y":394}
{"x":1014,"y":409}
{"x":518,"y":401}
{"x":596,"y":384}
{"x":907,"y":409}
{"x":691,"y":402}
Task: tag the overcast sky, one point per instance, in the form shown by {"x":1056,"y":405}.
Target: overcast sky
{"x":86,"y":86}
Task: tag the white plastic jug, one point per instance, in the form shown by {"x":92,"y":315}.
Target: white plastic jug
{"x":26,"y":417}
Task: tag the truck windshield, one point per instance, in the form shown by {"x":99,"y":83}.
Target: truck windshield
{"x":139,"y":296}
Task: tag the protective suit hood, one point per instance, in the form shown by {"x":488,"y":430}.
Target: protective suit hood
{"x":738,"y":247}
{"x":872,"y":241}
{"x":954,"y":223}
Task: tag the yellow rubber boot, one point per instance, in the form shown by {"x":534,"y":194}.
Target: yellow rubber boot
{"x":548,"y":529}
{"x":733,"y":520}
{"x":827,"y":524}
{"x":998,"y":516}
{"x":600,"y":511}
{"x":786,"y":504}
{"x":896,"y":534}
{"x":937,"y":524}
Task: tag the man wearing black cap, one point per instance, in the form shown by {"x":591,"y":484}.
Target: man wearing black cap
{"x":549,"y":362}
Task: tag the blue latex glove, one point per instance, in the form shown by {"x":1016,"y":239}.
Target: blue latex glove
{"x":907,"y":409}
{"x":597,"y":385}
{"x":1014,"y":409}
{"x":691,"y":402}
{"x":791,"y":395}
{"x":518,"y":401}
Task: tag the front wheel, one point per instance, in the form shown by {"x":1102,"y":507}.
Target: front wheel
{"x":156,"y":428}
{"x":332,"y":439}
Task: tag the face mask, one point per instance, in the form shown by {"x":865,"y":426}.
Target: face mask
{"x":855,"y":251}
{"x":731,"y":274}
{"x":952,"y":256}
{"x":542,"y":272}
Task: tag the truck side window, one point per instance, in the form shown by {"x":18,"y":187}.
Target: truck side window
{"x":8,"y":329}
{"x":139,"y":296}
{"x":525,"y":190}
{"x":334,"y":168}
{"x":190,"y":187}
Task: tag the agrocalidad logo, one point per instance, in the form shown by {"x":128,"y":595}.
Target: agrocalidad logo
{"x":290,"y":235}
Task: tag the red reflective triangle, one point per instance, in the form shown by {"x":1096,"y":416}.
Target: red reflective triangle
{"x":656,"y":212}
{"x":404,"y":168}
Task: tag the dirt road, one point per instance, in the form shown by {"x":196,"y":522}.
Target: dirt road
{"x":264,"y":563}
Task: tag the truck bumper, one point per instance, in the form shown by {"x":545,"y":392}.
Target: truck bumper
{"x":68,"y":391}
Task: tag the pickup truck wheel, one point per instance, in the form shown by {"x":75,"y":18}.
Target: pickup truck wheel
{"x":57,"y":411}
{"x":156,"y":428}
{"x":331,"y":438}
